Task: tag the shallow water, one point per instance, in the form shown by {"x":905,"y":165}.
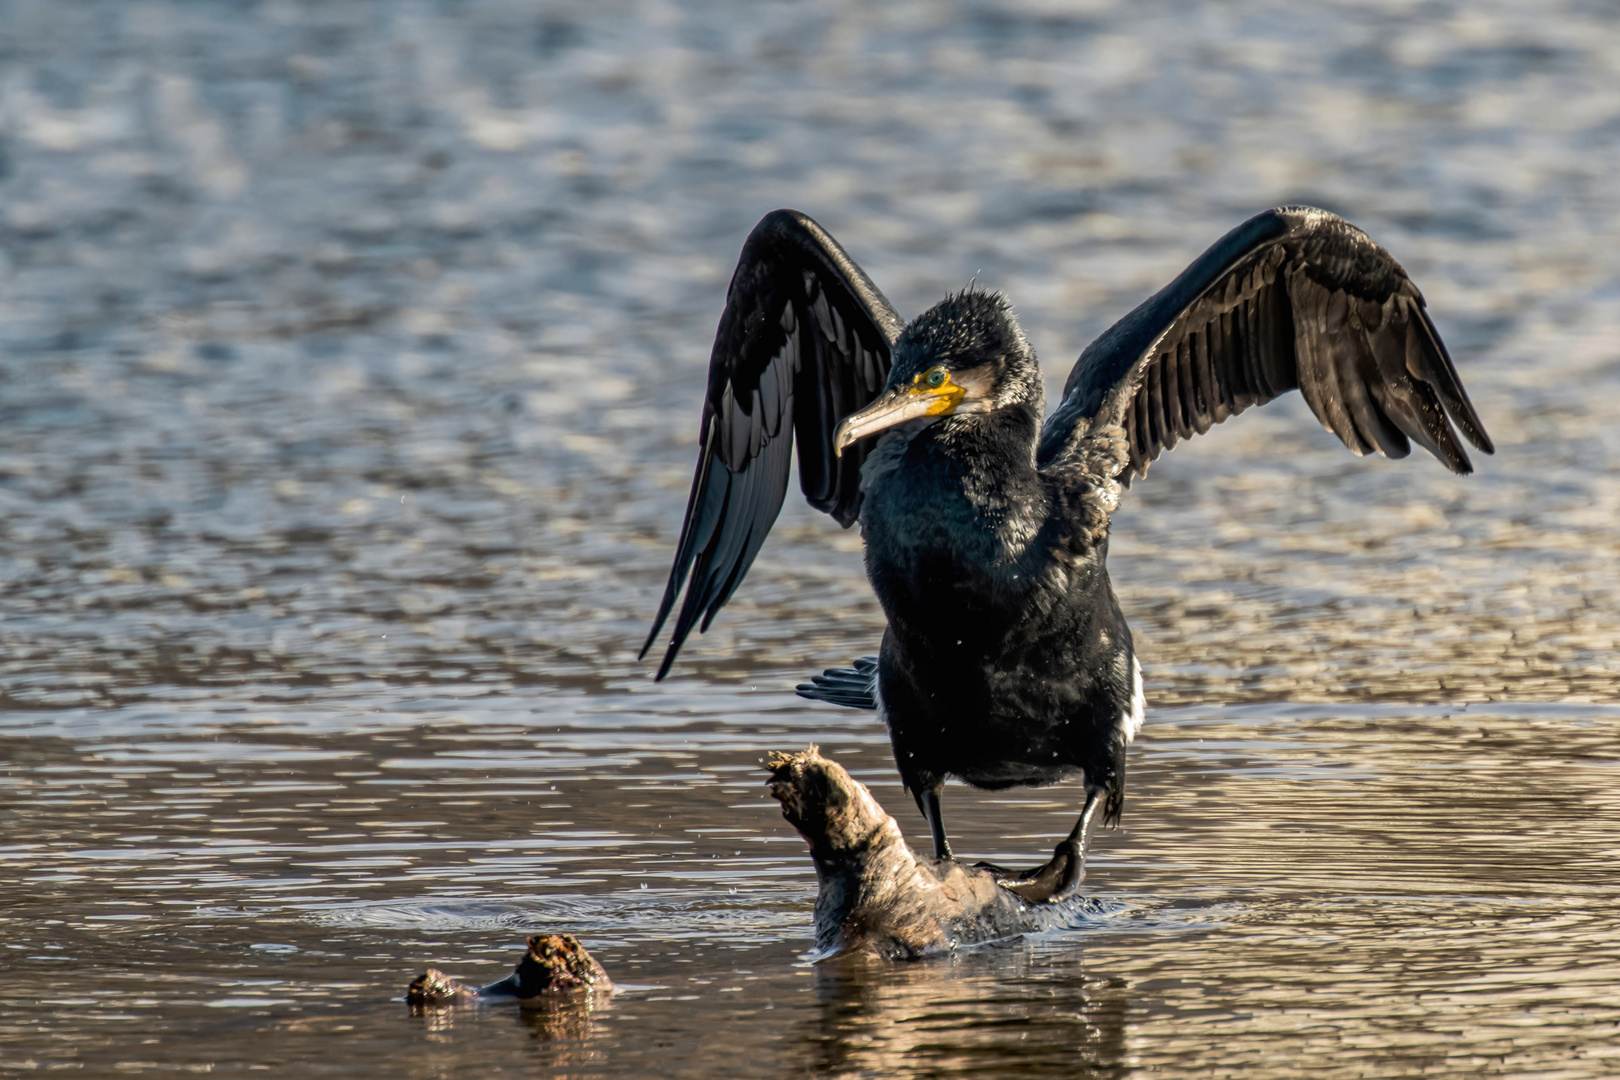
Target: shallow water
{"x":350,"y":358}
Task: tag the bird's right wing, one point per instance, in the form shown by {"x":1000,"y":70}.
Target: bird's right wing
{"x":804,"y":342}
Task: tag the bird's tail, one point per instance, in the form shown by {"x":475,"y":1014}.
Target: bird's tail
{"x":854,"y":687}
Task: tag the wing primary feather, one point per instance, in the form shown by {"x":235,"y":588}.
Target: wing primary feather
{"x":805,"y":338}
{"x":1437,"y":435}
{"x":1356,"y":369}
{"x":765,"y":511}
{"x":759,"y":501}
{"x":715,"y":499}
{"x":685,"y":550}
{"x":1447,"y":384}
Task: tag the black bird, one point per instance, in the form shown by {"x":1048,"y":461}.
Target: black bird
{"x":1007,"y":660}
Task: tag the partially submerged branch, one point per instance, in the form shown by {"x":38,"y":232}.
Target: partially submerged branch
{"x":555,"y":967}
{"x":876,"y":893}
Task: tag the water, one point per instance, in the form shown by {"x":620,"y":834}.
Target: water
{"x":350,"y":362}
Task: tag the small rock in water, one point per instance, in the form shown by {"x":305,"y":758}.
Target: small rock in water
{"x":556,"y":965}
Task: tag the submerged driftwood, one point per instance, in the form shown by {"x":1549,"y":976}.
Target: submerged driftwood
{"x":876,"y":893}
{"x":555,"y":968}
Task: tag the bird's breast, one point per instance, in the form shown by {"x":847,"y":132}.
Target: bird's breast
{"x":959,"y":556}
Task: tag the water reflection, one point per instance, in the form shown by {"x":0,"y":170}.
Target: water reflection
{"x":995,"y":1013}
{"x":566,"y":1020}
{"x":563,"y":1039}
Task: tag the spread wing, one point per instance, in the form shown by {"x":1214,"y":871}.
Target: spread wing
{"x":1294,"y":298}
{"x":804,"y":342}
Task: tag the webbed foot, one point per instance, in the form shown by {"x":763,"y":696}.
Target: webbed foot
{"x":1054,"y":881}
{"x":1067,"y":868}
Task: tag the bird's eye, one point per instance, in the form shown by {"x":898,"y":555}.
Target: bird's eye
{"x":935,"y":378}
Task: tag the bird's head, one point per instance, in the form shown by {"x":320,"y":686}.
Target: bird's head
{"x":964,"y":356}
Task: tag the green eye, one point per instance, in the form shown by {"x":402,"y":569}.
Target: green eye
{"x":936,"y":377}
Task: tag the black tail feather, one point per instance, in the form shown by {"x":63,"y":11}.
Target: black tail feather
{"x":853,"y":687}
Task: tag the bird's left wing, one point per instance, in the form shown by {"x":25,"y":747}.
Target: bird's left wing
{"x":804,"y":341}
{"x":1294,"y":298}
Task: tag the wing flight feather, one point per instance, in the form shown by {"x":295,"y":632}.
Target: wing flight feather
{"x":804,"y":341}
{"x":1294,"y":298}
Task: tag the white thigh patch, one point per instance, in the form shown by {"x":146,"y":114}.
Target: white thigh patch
{"x":1133,"y":719}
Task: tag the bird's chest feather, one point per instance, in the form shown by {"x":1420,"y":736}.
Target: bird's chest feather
{"x":952,"y":539}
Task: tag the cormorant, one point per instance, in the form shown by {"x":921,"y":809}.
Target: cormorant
{"x":1007,"y":660}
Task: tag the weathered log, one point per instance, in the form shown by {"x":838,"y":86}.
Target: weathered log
{"x":555,"y":967}
{"x":876,"y":894}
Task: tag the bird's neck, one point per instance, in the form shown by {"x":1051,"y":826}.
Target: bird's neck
{"x":992,"y":454}
{"x":962,"y":492}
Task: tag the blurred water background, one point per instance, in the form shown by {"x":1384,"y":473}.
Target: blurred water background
{"x":350,"y":364}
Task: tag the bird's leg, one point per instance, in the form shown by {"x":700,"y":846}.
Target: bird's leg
{"x":1067,"y":869}
{"x":928,"y":803}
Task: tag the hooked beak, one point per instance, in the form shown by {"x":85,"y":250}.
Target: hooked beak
{"x":906,"y":402}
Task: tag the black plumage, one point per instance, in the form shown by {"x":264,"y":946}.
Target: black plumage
{"x":1007,"y":660}
{"x":804,"y":341}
